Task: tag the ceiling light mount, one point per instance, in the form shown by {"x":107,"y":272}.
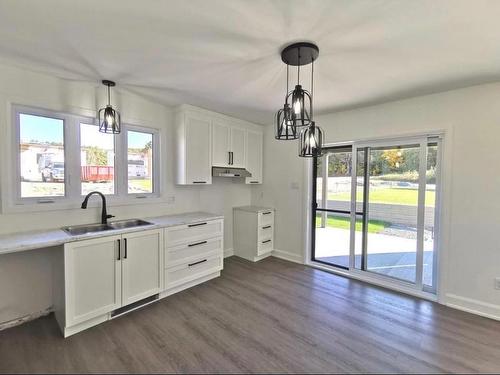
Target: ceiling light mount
{"x":300,"y":54}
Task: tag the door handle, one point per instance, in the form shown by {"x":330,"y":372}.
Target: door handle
{"x":266,"y":227}
{"x":266,"y":213}
{"x":126,"y":248}
{"x":266,"y":241}
{"x":119,"y":249}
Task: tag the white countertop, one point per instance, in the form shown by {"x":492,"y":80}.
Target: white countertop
{"x":253,"y":208}
{"x":15,"y":242}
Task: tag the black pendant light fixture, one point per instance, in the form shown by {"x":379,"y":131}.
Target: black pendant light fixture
{"x":297,"y":113}
{"x":109,"y":118}
{"x":285,"y":130}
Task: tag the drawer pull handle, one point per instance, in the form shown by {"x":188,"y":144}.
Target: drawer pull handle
{"x":266,"y":227}
{"x":196,"y":225}
{"x":266,"y":213}
{"x":197,"y":243}
{"x":195,"y":263}
{"x":254,"y":182}
{"x":199,"y":182}
{"x":266,"y":241}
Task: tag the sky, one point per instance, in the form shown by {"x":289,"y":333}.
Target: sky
{"x":47,"y":130}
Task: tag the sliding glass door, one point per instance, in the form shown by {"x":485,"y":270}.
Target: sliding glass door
{"x":374,"y":207}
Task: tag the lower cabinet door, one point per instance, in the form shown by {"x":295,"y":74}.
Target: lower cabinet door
{"x":92,"y":278}
{"x":142,"y":265}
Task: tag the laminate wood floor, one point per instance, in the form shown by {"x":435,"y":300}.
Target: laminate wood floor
{"x":271,"y":316}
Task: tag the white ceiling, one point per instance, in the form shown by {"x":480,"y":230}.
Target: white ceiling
{"x":224,"y":54}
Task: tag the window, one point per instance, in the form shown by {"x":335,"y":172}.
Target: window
{"x":140,"y":162}
{"x":97,"y":160}
{"x":41,"y":154}
{"x":60,"y":158}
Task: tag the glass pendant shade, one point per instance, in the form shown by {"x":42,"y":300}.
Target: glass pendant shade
{"x":108,"y":117}
{"x":311,"y":141}
{"x":109,"y":120}
{"x":301,"y":106}
{"x":285,"y":130}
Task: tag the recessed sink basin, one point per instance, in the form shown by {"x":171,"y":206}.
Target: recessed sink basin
{"x":130,"y":223}
{"x":77,"y":230}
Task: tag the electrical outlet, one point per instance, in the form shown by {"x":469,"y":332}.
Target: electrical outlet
{"x":497,"y":282}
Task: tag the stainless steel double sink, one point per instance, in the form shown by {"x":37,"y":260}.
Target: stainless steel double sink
{"x":76,"y":230}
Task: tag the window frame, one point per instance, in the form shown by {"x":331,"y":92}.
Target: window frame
{"x":14,"y":202}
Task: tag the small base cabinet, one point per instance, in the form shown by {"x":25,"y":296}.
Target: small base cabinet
{"x":104,"y":274}
{"x":253,"y":233}
{"x":193,"y":254}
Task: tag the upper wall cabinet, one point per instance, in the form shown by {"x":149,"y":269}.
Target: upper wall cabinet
{"x":228,"y":145}
{"x":205,"y":139}
{"x":254,"y":152}
{"x":194,"y":154}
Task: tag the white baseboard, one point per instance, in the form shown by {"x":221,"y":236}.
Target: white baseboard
{"x":286,"y":255}
{"x":228,"y":253}
{"x":488,"y":310}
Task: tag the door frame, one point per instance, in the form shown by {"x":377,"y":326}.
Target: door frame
{"x":373,"y":278}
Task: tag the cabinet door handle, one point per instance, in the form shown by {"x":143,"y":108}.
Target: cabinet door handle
{"x":266,"y":227}
{"x":196,"y":225}
{"x":197,"y":243}
{"x":126,"y":248}
{"x":266,"y":213}
{"x":199,"y":182}
{"x":119,"y":249}
{"x":195,"y":263}
{"x":232,"y":158}
{"x":254,"y":182}
{"x":266,"y":241}
{"x":229,"y":157}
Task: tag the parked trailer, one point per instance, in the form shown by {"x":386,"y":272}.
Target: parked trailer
{"x":97,"y":173}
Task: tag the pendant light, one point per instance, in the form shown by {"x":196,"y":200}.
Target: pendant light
{"x":285,"y":129}
{"x":311,"y":138}
{"x":109,"y":118}
{"x":297,"y":113}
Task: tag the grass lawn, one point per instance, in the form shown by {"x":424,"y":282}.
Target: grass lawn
{"x":374,"y":226}
{"x":389,"y":195}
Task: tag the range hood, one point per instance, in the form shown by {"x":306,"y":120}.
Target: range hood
{"x":230,"y":172}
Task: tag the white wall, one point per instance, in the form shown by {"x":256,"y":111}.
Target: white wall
{"x":25,"y":278}
{"x":470,"y":255}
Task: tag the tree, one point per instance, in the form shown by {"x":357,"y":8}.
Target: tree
{"x":96,"y":156}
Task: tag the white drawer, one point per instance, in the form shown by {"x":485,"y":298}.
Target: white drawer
{"x":188,"y":233}
{"x":187,"y":252}
{"x":266,"y":232}
{"x":264,"y":246}
{"x":266,"y":218}
{"x":192,"y":270}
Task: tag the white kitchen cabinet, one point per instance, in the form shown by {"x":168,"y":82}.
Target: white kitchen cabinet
{"x":194,"y":253}
{"x":253,"y":232}
{"x":254,"y":156}
{"x":194,"y":149}
{"x":142,"y":265}
{"x":93,"y":273}
{"x":104,"y":274}
{"x":228,"y":145}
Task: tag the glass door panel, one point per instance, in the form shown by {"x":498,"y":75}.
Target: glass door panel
{"x":391,"y":246}
{"x":331,"y":235}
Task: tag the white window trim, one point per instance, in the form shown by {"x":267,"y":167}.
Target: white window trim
{"x":11,"y":192}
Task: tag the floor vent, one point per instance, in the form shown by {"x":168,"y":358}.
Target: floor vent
{"x":134,"y":306}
